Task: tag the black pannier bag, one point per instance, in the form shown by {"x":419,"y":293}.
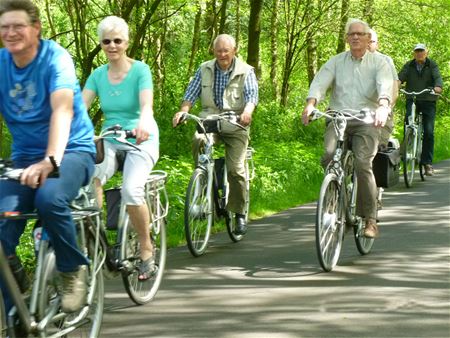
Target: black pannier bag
{"x":113,"y":199}
{"x":210,"y":125}
{"x":386,"y":166}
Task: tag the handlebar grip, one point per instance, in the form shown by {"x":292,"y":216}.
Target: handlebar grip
{"x":183,"y":118}
{"x":129,"y":134}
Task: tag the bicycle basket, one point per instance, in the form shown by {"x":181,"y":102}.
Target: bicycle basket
{"x":113,"y":200}
{"x":210,"y":125}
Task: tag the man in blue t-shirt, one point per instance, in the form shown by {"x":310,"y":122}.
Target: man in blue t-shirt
{"x":41,"y":103}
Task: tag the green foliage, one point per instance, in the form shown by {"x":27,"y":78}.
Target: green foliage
{"x":287,"y":153}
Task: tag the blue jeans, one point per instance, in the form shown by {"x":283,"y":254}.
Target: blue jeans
{"x":428,"y":110}
{"x":51,"y":201}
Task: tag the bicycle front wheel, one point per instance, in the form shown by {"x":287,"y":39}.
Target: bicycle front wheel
{"x":83,"y":323}
{"x":142,"y":291}
{"x":329,"y":223}
{"x":409,"y":157}
{"x":419,"y":147}
{"x":198,"y":213}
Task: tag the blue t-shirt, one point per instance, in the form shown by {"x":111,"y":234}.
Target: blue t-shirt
{"x":25,"y":101}
{"x":120,"y":102}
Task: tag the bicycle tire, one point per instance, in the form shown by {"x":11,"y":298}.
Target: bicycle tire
{"x":198,"y":213}
{"x":408,"y":157}
{"x":419,"y":147}
{"x":329,"y":223}
{"x":139,"y":291}
{"x":84,"y":323}
{"x":3,"y":327}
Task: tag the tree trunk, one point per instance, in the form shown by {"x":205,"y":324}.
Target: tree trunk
{"x":368,"y":11}
{"x":343,"y":21}
{"x":274,"y":48}
{"x":211,"y":23}
{"x":223,"y":17}
{"x":311,"y":44}
{"x":238,"y":22}
{"x":254,"y":31}
{"x":195,"y":38}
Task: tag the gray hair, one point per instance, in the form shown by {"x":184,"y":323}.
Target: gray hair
{"x":353,"y":21}
{"x":113,"y":24}
{"x":226,"y":37}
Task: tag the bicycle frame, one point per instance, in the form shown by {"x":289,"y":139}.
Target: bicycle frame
{"x":335,"y":208}
{"x":31,"y":314}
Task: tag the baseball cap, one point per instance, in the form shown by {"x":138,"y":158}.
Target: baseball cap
{"x":420,"y":46}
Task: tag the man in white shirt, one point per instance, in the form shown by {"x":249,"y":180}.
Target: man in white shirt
{"x":358,"y":79}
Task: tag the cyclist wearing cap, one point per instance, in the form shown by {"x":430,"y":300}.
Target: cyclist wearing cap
{"x":419,"y":74}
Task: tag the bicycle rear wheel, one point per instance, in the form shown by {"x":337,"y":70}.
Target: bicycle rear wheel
{"x":198,"y":213}
{"x":408,"y":157}
{"x":329,"y":223}
{"x":142,"y":291}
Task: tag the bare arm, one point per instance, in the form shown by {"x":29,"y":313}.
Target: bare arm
{"x":88,"y":97}
{"x":61,"y":102}
{"x":143,"y":128}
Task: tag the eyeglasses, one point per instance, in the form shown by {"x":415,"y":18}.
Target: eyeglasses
{"x":17,"y":28}
{"x":359,"y":34}
{"x":108,"y":41}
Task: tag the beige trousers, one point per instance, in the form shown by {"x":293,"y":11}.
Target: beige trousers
{"x":364,"y":139}
{"x":235,"y":140}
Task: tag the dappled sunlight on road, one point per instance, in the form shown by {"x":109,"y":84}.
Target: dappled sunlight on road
{"x":271,"y":284}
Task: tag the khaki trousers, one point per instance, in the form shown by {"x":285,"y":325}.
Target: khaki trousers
{"x":364,"y":139}
{"x":235,"y":140}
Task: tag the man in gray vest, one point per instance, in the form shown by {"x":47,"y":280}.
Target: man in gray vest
{"x":224,"y":84}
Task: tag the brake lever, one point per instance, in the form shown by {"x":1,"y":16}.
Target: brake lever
{"x":123,"y":140}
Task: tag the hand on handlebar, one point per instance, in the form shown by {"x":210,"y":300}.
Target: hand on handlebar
{"x":178,"y":118}
{"x":245,"y":119}
{"x":36,"y":174}
{"x":307,"y":113}
{"x":381,"y":116}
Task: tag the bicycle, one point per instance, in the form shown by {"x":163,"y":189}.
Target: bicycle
{"x":413,"y":140}
{"x":39,"y":313}
{"x":336,"y":207}
{"x":123,"y":256}
{"x":208,"y":188}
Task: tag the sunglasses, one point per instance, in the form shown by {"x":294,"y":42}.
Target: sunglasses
{"x":108,"y":41}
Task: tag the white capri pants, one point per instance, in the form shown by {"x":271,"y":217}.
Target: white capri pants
{"x":137,"y":168}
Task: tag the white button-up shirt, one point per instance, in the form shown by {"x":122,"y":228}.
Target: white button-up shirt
{"x":355,"y":83}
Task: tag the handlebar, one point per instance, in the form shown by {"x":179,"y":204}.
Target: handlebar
{"x":425,"y":91}
{"x":364,"y":115}
{"x":117,"y":133}
{"x":7,"y":172}
{"x":227,"y":116}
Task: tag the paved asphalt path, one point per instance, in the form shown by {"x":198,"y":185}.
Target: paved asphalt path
{"x":271,"y":284}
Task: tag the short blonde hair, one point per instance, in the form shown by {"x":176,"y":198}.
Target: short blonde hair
{"x":113,"y":24}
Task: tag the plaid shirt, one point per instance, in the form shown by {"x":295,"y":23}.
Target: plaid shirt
{"x":221,"y":79}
